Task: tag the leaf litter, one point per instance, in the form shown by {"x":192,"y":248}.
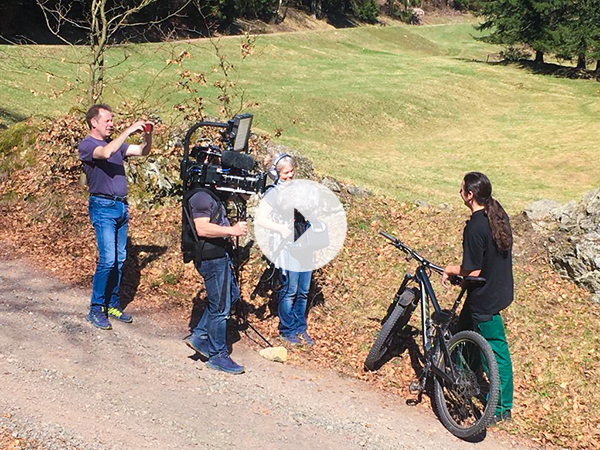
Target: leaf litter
{"x":553,"y":327}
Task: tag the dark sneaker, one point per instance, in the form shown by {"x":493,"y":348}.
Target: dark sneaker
{"x":119,"y":315}
{"x":98,"y":318}
{"x":294,"y":340}
{"x":198,"y":345}
{"x":501,"y":417}
{"x":307,"y":339}
{"x":224,"y":363}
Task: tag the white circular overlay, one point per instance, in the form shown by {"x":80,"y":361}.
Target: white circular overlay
{"x":274,"y":226}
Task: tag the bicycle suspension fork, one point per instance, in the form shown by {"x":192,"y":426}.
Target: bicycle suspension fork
{"x":427,"y":328}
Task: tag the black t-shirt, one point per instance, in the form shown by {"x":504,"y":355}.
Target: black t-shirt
{"x":479,"y":253}
{"x":202,"y":204}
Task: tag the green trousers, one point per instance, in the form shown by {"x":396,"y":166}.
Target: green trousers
{"x":493,"y":331}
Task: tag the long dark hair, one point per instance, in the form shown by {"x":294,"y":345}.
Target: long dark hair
{"x":480,"y":186}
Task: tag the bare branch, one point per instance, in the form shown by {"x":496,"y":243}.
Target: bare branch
{"x":102,"y":20}
{"x":156,"y":22}
{"x":60,"y":14}
{"x":57,"y":16}
{"x":119,"y":20}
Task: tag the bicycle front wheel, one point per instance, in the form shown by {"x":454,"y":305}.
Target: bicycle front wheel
{"x":391,"y":327}
{"x":466,"y":406}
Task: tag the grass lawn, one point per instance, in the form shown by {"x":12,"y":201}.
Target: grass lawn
{"x":400,"y":110}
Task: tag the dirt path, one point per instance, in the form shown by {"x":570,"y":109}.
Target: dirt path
{"x":69,"y":385}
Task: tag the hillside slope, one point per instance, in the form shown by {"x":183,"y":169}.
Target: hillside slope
{"x":553,"y":326}
{"x":404,"y":111}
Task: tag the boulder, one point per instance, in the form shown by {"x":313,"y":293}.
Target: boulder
{"x":573,"y":232}
{"x":419,"y":12}
{"x":358,"y":191}
{"x":542,"y":209}
{"x":331,"y":184}
{"x":591,"y":202}
{"x":568,"y":216}
{"x":580,"y":261}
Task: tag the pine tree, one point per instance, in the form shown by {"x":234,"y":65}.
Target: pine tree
{"x":531,"y":22}
{"x":579,"y":33}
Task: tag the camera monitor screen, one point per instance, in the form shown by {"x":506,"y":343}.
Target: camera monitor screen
{"x":241,"y":131}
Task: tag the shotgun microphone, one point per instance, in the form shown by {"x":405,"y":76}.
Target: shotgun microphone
{"x":235,"y":160}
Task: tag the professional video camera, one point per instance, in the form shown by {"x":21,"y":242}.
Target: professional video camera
{"x":226,"y":169}
{"x":223,"y":171}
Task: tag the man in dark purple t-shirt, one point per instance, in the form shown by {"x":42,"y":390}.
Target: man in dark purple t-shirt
{"x":102,"y":159}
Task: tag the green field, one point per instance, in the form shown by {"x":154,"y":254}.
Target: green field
{"x":401,"y":110}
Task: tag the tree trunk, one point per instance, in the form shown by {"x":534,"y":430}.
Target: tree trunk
{"x":598,"y":67}
{"x":581,"y":65}
{"x":316,"y":8}
{"x":539,"y":56}
{"x":91,"y":84}
{"x":100,"y":80}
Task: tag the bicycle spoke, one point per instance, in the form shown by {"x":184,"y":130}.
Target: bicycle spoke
{"x":463,"y":403}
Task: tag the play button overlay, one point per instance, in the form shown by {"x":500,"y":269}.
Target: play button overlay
{"x":296,"y":213}
{"x":303,"y":249}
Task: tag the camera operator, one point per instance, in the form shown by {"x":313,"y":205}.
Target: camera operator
{"x":214,"y":263}
{"x":294,"y":285}
{"x":108,"y":208}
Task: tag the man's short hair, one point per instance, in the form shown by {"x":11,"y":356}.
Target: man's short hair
{"x":93,"y":111}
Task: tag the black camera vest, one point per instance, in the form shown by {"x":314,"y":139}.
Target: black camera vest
{"x":196,"y":248}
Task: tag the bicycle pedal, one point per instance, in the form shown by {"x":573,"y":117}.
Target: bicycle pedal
{"x":415,"y":387}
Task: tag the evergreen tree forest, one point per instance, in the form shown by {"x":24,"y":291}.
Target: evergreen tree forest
{"x":23,"y":20}
{"x":568,"y":29}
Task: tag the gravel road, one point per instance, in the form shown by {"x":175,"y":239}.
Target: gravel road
{"x":68,"y":385}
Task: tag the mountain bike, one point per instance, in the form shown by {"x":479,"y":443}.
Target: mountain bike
{"x":463,"y":366}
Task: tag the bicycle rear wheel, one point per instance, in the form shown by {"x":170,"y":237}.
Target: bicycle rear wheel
{"x":391,"y":327}
{"x":467,"y":406}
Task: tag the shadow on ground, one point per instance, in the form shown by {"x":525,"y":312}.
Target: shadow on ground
{"x":138,"y":257}
{"x":551,"y":69}
{"x":8,"y":117}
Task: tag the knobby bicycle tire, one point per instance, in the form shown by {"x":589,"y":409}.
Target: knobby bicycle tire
{"x":391,"y":327}
{"x":467,"y":407}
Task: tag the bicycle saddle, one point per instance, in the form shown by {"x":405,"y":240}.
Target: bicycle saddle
{"x":474,"y":282}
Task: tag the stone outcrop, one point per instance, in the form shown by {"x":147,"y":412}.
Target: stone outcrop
{"x":331,"y":184}
{"x":573,"y":231}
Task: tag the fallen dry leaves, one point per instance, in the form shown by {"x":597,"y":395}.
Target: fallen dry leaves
{"x":553,"y":327}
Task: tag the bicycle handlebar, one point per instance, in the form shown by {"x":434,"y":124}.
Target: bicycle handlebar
{"x":409,"y":251}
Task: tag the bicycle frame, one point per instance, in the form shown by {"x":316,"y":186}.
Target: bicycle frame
{"x":434,"y":326}
{"x":431,"y":338}
{"x":463,"y":366}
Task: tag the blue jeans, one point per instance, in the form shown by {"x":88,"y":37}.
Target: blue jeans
{"x":221,"y":291}
{"x":293,"y":297}
{"x":110,"y":219}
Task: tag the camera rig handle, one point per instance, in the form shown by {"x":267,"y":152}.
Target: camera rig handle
{"x":186,"y":145}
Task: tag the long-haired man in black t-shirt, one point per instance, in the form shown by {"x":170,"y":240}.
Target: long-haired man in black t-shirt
{"x":487,"y":253}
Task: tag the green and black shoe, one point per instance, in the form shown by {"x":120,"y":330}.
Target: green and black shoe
{"x":119,"y":315}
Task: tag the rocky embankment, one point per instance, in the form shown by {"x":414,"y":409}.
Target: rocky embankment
{"x":572,"y":231}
